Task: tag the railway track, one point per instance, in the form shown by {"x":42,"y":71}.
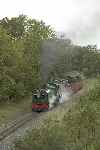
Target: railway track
{"x":14,"y":125}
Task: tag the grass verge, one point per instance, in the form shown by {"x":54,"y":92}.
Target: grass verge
{"x":10,"y":111}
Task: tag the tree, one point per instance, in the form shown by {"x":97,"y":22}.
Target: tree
{"x":20,"y":41}
{"x":15,"y":26}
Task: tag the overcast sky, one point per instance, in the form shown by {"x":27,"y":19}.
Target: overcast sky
{"x":80,"y":19}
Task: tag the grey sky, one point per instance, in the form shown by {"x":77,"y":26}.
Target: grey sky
{"x":80,"y":19}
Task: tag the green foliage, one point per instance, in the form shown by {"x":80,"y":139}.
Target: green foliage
{"x":15,"y":26}
{"x":85,"y":60}
{"x":20,"y":40}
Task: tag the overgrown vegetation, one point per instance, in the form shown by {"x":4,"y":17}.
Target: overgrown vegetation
{"x":79,"y":129}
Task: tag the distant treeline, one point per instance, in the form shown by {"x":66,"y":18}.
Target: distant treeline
{"x":85,"y":60}
{"x":82,"y":59}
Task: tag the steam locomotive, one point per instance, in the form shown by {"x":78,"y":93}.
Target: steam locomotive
{"x":46,"y":98}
